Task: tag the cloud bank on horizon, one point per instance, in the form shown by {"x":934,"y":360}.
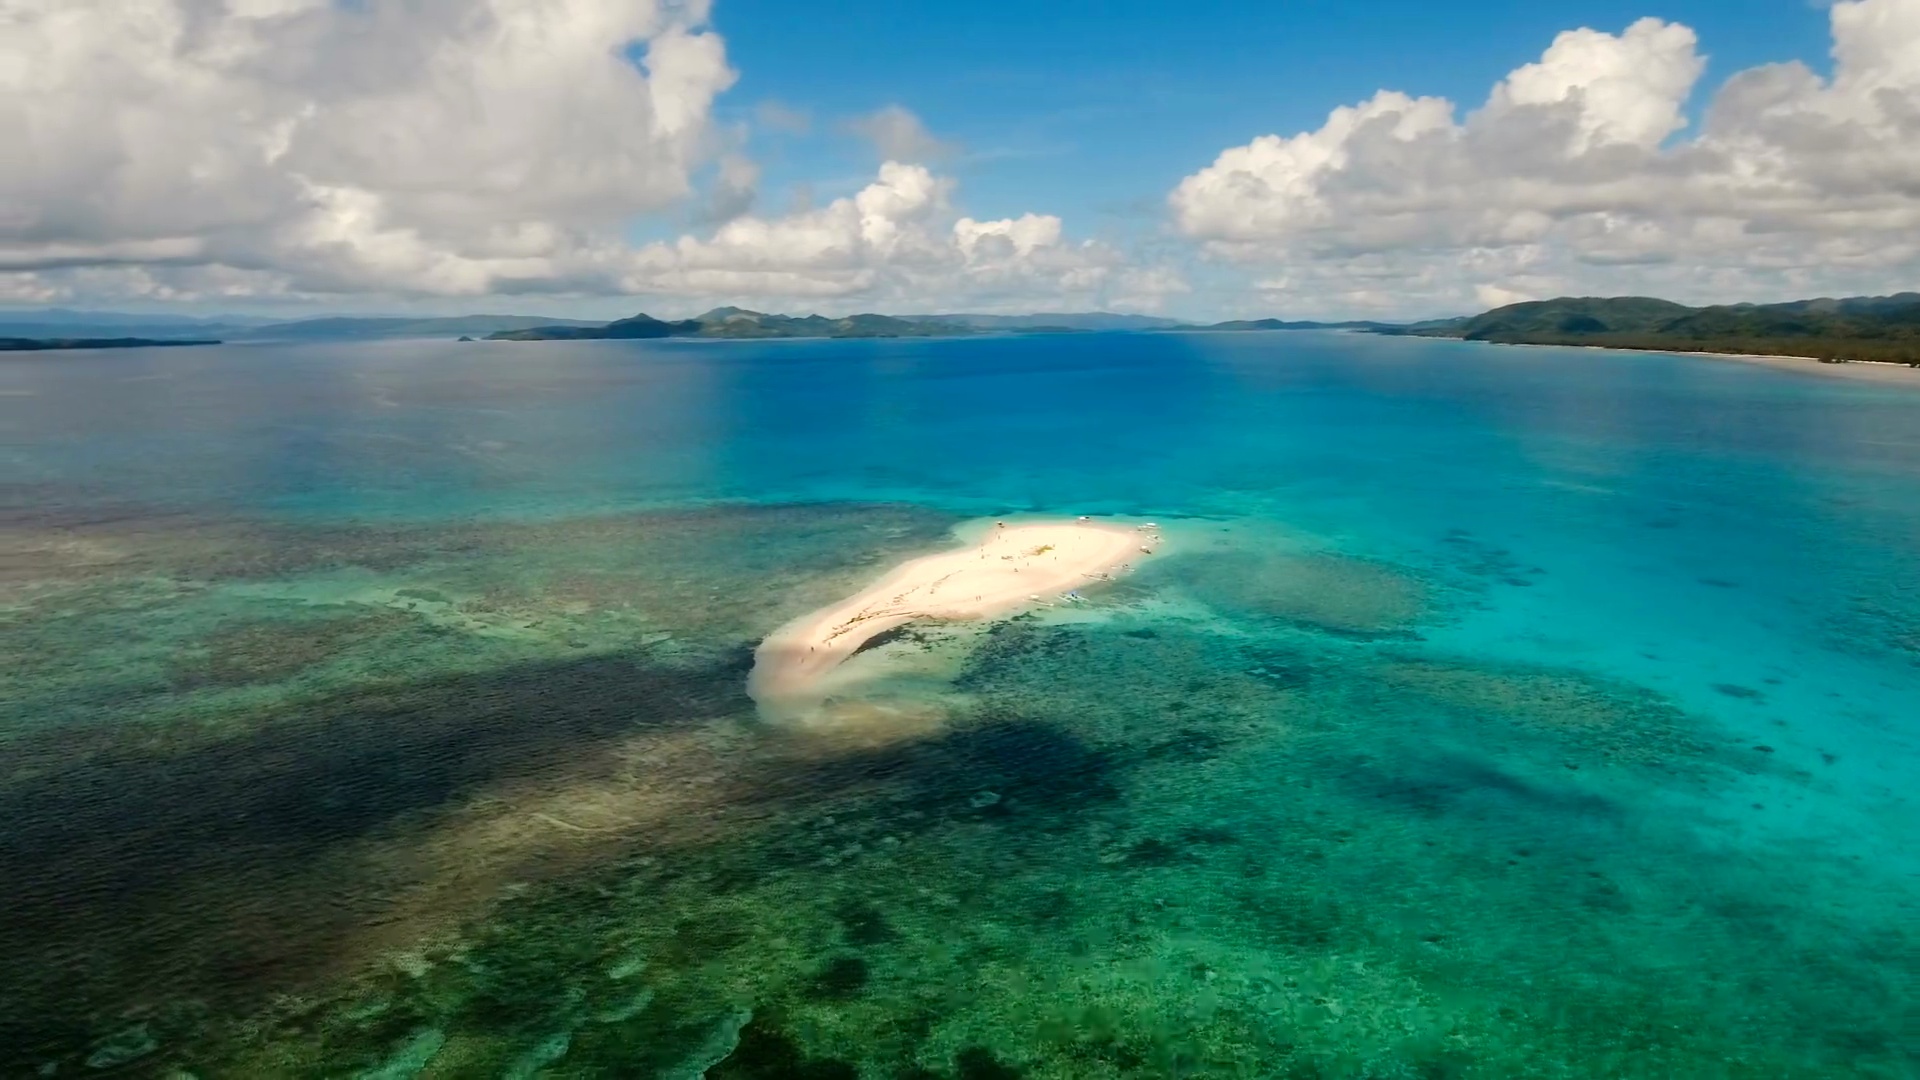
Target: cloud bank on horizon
{"x":1570,"y":178}
{"x":218,"y":151}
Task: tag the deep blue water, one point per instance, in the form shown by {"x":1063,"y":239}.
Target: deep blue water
{"x":1736,"y":540}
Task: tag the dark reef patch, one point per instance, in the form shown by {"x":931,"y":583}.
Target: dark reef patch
{"x":1871,"y":620}
{"x":1484,"y":561}
{"x":1155,"y":852}
{"x":1443,"y":784}
{"x":865,"y":925}
{"x":1029,"y":767}
{"x":1208,"y":835}
{"x":1615,"y":722}
{"x":767,"y":1053}
{"x":843,"y":977}
{"x":699,"y":939}
{"x":188,"y":868}
{"x":978,"y":1063}
{"x":1008,"y":645}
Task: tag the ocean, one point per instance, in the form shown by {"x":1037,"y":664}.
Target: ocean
{"x":378,"y":710}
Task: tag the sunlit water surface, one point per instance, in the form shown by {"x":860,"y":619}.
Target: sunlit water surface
{"x":379,"y":711}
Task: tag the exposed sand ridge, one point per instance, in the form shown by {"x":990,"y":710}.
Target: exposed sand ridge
{"x":1011,"y":567}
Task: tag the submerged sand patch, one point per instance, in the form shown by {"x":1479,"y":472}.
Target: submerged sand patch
{"x":1330,"y":593}
{"x":1005,"y":569}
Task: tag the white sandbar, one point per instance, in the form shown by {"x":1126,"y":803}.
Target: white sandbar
{"x":1013,"y":566}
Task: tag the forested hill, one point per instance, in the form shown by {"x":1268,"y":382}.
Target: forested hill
{"x":1884,"y":328}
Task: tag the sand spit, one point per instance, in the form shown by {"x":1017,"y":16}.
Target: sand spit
{"x":1009,"y":567}
{"x":1875,"y":371}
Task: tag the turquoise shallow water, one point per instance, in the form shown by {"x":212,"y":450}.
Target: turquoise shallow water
{"x":1497,"y":711}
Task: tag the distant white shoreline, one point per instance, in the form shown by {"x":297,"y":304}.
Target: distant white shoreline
{"x":1886,"y":372}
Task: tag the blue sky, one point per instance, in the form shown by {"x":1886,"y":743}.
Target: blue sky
{"x":598,"y":157}
{"x":1094,"y":110}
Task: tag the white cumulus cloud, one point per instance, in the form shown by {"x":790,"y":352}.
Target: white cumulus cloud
{"x":897,"y":243}
{"x":440,"y":146}
{"x":208,"y":150}
{"x":1578,"y":174}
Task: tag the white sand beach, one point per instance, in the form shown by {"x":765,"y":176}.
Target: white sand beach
{"x":1010,"y":567}
{"x":1877,"y":371}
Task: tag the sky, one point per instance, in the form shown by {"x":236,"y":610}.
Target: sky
{"x":1212,"y":159}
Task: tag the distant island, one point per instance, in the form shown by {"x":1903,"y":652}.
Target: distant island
{"x":20,"y":344}
{"x":1882,"y":329}
{"x":733,"y":322}
{"x":1236,"y":325}
{"x":62,"y":324}
{"x":1052,"y":321}
{"x":726,"y":322}
{"x":379,"y":329}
